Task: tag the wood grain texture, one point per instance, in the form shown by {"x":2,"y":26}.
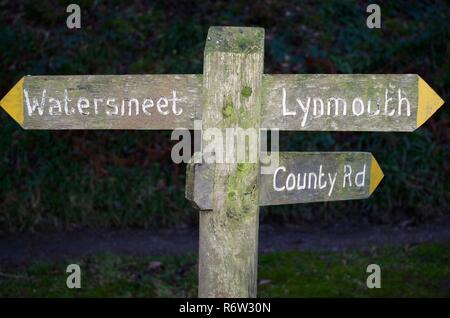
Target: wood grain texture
{"x":298,"y":92}
{"x":312,"y":185}
{"x":232,"y":83}
{"x":196,"y":191}
{"x":135,"y":96}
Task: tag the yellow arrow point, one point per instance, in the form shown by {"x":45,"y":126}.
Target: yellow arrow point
{"x":376,"y":175}
{"x":12,"y":102}
{"x":428,"y":102}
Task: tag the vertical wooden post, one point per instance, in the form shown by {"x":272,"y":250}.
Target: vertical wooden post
{"x":232,"y":80}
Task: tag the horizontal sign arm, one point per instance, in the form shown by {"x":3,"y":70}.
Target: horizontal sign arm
{"x":105,"y":101}
{"x":314,"y":102}
{"x":300,"y":177}
{"x":347,"y":102}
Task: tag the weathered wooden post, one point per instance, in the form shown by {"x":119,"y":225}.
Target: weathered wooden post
{"x":232,"y":78}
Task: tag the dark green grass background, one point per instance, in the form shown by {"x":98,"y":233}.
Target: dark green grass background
{"x":65,"y":179}
{"x":418,"y":271}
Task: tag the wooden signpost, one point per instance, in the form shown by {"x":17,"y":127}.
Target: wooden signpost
{"x":234,"y":93}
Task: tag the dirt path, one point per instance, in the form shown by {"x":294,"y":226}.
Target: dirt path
{"x":22,"y":249}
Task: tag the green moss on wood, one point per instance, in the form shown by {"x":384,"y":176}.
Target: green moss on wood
{"x":242,"y":192}
{"x":246,"y":91}
{"x":235,"y":40}
{"x":229,"y":112}
{"x":232,"y":195}
{"x":233,"y":58}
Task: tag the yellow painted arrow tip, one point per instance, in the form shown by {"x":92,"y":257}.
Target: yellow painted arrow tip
{"x":376,"y":175}
{"x":12,"y":102}
{"x":428,"y":102}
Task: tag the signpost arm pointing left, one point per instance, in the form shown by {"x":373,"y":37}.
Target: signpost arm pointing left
{"x":164,"y":101}
{"x":12,"y":102}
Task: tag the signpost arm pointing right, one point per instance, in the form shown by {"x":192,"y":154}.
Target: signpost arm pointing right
{"x":428,"y":102}
{"x":376,"y":175}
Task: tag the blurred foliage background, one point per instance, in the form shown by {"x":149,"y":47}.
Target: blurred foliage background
{"x":53,"y":180}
